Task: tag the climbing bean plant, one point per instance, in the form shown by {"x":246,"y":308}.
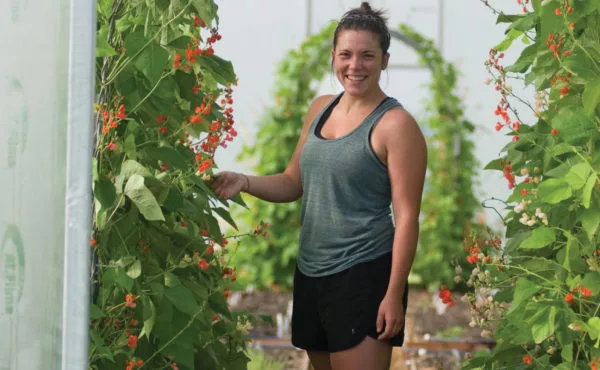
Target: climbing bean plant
{"x":536,"y":287}
{"x":161,"y":274}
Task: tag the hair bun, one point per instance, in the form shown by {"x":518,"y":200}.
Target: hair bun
{"x":366,"y":7}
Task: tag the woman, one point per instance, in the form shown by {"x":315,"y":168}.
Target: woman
{"x":358,"y":152}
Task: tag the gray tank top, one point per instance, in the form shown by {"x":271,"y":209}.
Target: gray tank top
{"x":346,"y":215}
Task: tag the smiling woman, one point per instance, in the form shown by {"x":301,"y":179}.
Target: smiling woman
{"x":359,"y":152}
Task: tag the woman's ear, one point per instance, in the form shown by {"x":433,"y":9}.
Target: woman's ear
{"x":385,"y":61}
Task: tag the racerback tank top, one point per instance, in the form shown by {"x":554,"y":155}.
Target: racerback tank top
{"x":346,"y":215}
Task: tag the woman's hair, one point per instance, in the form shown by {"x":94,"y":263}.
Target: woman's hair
{"x":365,"y":18}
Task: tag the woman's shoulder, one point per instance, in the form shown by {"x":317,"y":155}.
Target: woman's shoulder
{"x":398,"y":122}
{"x":321,"y":102}
{"x":317,"y":105}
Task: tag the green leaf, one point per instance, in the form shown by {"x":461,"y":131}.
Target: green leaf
{"x":143,"y":198}
{"x":226,"y":216}
{"x":135,"y":270}
{"x":508,"y":18}
{"x":554,"y":191}
{"x":550,"y":23}
{"x":152,"y":61}
{"x":581,"y":65}
{"x":149,"y":57}
{"x":578,"y":175}
{"x":524,"y":290}
{"x":183,"y":299}
{"x":539,"y":238}
{"x":591,"y":96}
{"x":570,"y":256}
{"x":562,"y":148}
{"x":104,"y":192}
{"x":510,"y":37}
{"x":525,"y":60}
{"x":128,"y":169}
{"x":586,"y":195}
{"x":121,"y":278}
{"x":526,"y":23}
{"x":171,"y":280}
{"x":149,"y":318}
{"x":95,"y":312}
{"x":574,"y":127}
{"x":217,"y":302}
{"x":542,"y":324}
{"x":594,"y":327}
{"x":181,"y":42}
{"x":174,"y":200}
{"x":129,"y":146}
{"x":169,"y":156}
{"x":103,"y":48}
{"x":220,"y":69}
{"x":207,"y":10}
{"x":125,"y":261}
{"x":590,"y":219}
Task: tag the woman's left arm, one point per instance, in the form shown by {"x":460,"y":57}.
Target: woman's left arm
{"x":406,"y":154}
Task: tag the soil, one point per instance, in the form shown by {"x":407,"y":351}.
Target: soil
{"x":425,"y":319}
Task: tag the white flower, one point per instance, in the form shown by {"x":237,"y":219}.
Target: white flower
{"x":520,"y":207}
{"x":457,"y":279}
{"x":458,"y":270}
{"x":531,"y":222}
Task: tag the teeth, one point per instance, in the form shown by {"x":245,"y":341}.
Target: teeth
{"x":356,"y":78}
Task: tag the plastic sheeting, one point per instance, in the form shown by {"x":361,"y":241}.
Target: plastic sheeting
{"x":46,"y":87}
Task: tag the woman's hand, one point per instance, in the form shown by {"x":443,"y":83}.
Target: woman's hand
{"x":229,"y":184}
{"x":390,"y":316}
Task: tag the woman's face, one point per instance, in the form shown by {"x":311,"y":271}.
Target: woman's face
{"x":358,"y":61}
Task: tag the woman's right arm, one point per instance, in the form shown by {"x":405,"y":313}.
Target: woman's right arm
{"x":278,"y":188}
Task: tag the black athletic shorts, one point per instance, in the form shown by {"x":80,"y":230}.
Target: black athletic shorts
{"x":336,"y":312}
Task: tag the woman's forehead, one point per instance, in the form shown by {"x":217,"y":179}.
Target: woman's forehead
{"x":357,"y":39}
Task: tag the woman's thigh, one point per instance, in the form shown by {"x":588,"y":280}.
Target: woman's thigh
{"x":319,"y":360}
{"x":370,"y":354}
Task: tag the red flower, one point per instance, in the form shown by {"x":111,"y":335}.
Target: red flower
{"x":557,"y":11}
{"x":523,"y":192}
{"x":160,"y":119}
{"x":569,"y":298}
{"x":202,"y":264}
{"x":132,"y":341}
{"x":113,"y":124}
{"x":204,"y":165}
{"x":111,"y":146}
{"x":586,"y":292}
{"x":130,"y":299}
{"x":183,"y":223}
{"x":163,"y":129}
{"x":527,"y":359}
{"x":92,"y":242}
